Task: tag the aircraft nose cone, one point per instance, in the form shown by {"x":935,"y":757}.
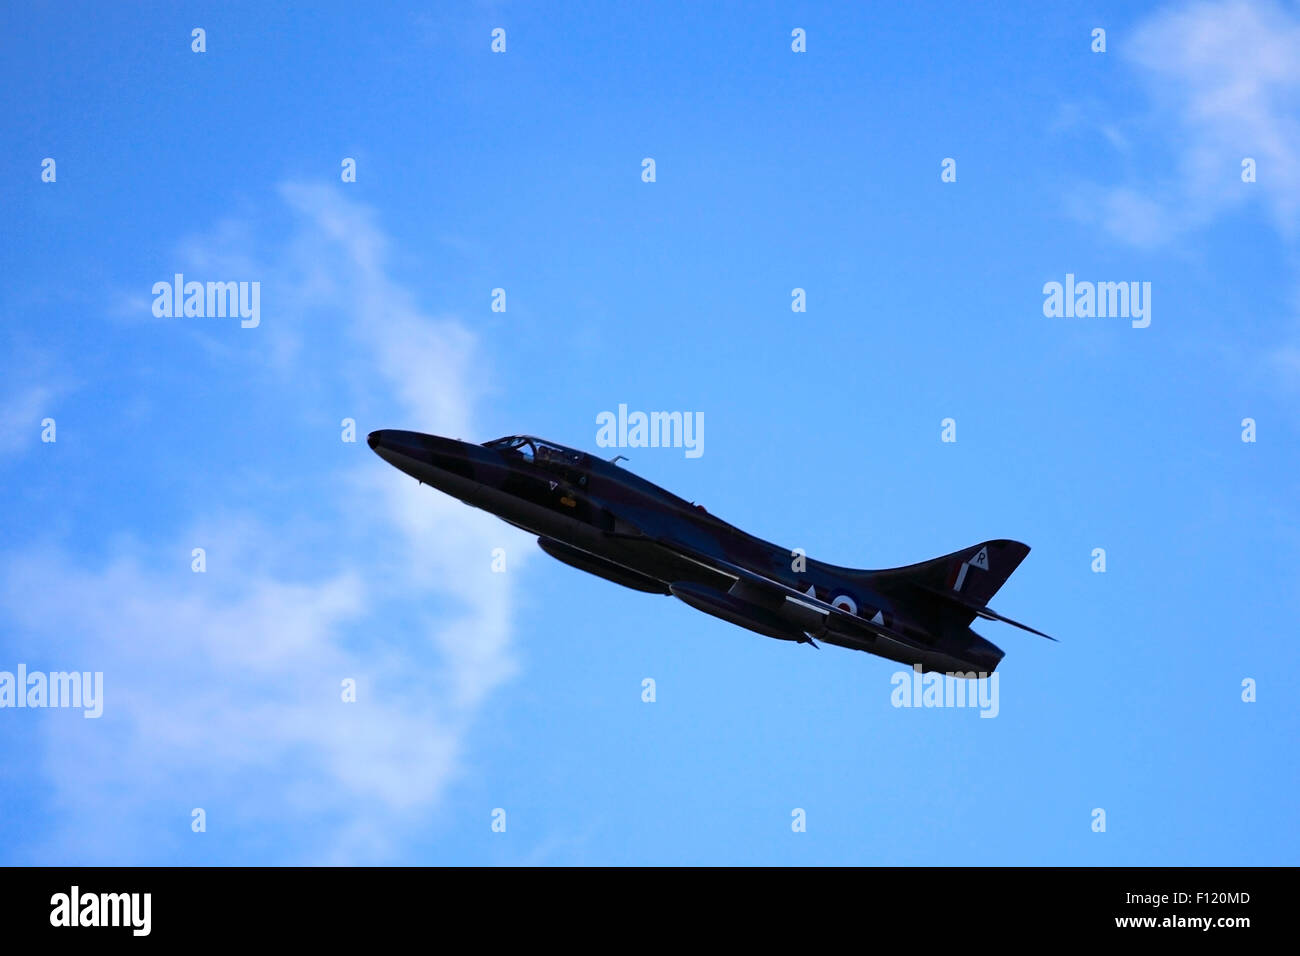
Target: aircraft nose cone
{"x":407,"y":450}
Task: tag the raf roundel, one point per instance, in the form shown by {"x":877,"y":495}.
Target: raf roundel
{"x":845,"y":603}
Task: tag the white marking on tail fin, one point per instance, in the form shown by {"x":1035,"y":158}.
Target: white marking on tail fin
{"x":961,"y":576}
{"x":981,"y":560}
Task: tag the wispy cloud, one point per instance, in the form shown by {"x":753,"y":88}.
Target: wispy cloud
{"x":223,"y":689}
{"x":1222,"y":83}
{"x":21,"y":412}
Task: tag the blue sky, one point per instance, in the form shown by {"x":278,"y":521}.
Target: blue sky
{"x":775,"y":170}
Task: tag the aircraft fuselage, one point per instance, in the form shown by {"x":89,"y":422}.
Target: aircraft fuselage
{"x":604,"y":519}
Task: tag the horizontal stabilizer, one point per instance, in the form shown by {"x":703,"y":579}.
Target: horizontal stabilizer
{"x":987,"y":613}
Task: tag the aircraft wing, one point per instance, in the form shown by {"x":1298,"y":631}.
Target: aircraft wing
{"x":750,"y":585}
{"x":755,"y":587}
{"x":767,"y":591}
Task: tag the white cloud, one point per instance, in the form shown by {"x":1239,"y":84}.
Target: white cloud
{"x":1223,"y":82}
{"x":428,"y":362}
{"x":223,"y":689}
{"x":1128,"y":214}
{"x":21,"y":413}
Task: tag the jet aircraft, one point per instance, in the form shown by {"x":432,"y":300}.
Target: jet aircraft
{"x":601,"y":518}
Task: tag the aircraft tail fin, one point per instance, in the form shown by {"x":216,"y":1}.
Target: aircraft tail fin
{"x":969,"y":577}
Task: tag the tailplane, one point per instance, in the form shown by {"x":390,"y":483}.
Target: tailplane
{"x":959,"y":585}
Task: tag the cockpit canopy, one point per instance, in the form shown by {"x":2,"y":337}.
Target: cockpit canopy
{"x":534,"y":449}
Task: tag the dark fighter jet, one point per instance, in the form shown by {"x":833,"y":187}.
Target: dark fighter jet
{"x":600,"y":518}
